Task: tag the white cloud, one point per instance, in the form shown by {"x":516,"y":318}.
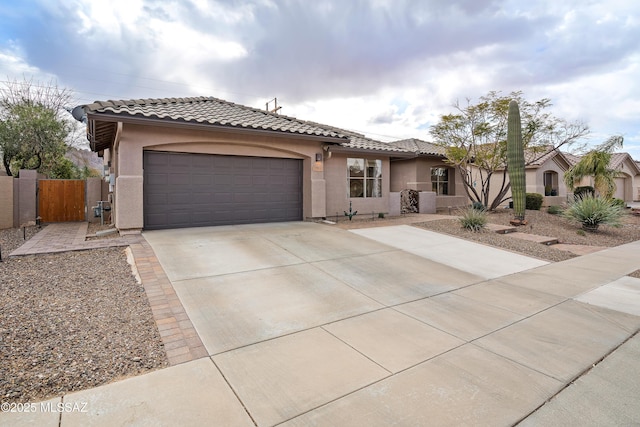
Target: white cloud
{"x":14,"y":66}
{"x":382,"y":67}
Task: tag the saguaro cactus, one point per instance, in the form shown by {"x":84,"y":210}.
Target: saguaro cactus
{"x":515,"y":161}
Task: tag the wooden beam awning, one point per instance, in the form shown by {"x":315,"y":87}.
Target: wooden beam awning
{"x":101,"y":134}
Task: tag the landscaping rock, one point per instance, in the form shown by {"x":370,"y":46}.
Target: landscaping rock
{"x":71,"y":321}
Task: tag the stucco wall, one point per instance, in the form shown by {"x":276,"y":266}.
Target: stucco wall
{"x":94,"y":193}
{"x":534,"y":181}
{"x":127,"y":161}
{"x":415,"y":174}
{"x":26,"y":198}
{"x":403,"y":172}
{"x":6,"y":202}
{"x":337,"y":189}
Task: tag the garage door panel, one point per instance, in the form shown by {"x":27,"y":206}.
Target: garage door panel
{"x":180,"y":219}
{"x":203,"y":162}
{"x":201,"y":179}
{"x":243,"y":163}
{"x":179,"y":179}
{"x":222,"y":181}
{"x":258,"y":163}
{"x":180,"y":160}
{"x":221,"y":163}
{"x":179,"y":199}
{"x":157,"y":160}
{"x":186,"y":190}
{"x":157,"y":200}
{"x":200,"y":199}
{"x":157,"y":179}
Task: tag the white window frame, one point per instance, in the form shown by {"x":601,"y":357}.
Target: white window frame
{"x":364,"y":177}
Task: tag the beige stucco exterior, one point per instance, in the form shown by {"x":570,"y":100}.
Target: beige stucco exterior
{"x":415,"y":174}
{"x":627,"y":183}
{"x":337,"y":194}
{"x":324,"y":183}
{"x":534,"y":176}
{"x":6,"y":202}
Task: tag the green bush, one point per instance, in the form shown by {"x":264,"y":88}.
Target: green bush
{"x":473,"y":219}
{"x":554,"y":210}
{"x":592,"y":211}
{"x":477,"y":205}
{"x":618,"y":202}
{"x":533,"y":201}
{"x":580,"y":192}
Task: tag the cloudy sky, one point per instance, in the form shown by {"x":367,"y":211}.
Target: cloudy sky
{"x":387,"y":68}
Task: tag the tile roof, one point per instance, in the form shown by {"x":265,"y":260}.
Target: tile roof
{"x":572,"y":158}
{"x":422,"y":147}
{"x":540,"y":155}
{"x":362,"y":142}
{"x":209,"y":110}
{"x":214,"y":111}
{"x":617,"y":159}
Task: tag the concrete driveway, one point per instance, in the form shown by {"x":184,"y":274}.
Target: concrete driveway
{"x":244,"y":285}
{"x":311,"y":325}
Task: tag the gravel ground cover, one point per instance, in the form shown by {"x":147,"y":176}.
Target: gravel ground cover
{"x":71,"y":321}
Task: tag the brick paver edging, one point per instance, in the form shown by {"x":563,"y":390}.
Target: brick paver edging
{"x":181,"y":341}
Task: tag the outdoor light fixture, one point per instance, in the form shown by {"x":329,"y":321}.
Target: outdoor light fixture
{"x":318,"y":157}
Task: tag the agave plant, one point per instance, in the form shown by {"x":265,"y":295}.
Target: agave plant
{"x":473,"y":219}
{"x":592,"y":211}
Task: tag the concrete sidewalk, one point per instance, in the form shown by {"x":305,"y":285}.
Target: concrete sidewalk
{"x":304,"y":324}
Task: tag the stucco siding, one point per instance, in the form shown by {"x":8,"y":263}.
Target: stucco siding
{"x":337,"y":190}
{"x":128,"y":164}
{"x":6,"y":202}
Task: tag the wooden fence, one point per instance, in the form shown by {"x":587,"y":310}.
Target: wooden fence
{"x":61,"y":200}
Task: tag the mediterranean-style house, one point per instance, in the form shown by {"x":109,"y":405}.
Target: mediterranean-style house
{"x":427,"y":170}
{"x":628,"y":179}
{"x":545,"y":175}
{"x":184,"y":162}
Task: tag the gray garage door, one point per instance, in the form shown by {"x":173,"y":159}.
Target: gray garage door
{"x":193,"y":190}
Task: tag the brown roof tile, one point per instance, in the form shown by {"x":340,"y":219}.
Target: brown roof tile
{"x":209,"y":110}
{"x":422,"y":147}
{"x":214,"y":111}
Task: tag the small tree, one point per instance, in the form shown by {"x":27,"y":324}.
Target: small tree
{"x":475,"y":138}
{"x":595,"y":164}
{"x":33,"y":128}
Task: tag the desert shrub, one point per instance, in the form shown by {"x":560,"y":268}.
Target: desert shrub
{"x":554,"y":210}
{"x":586,"y":190}
{"x":473,"y":219}
{"x":477,"y":205}
{"x":619,"y":202}
{"x":533,"y":201}
{"x":592,"y":211}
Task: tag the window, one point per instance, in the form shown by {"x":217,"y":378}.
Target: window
{"x":365,"y":178}
{"x":550,"y":181}
{"x":440,"y":181}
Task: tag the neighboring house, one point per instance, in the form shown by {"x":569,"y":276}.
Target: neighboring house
{"x":427,"y":170}
{"x":544,"y":172}
{"x":185,"y":162}
{"x":628,"y":180}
